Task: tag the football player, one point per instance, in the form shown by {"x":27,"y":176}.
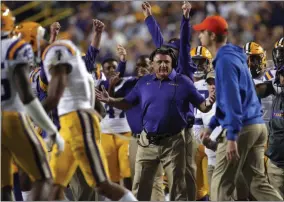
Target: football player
{"x":278,"y":53}
{"x":20,"y":142}
{"x":257,"y":62}
{"x":115,"y":122}
{"x":278,"y":59}
{"x":203,"y":60}
{"x":71,"y":90}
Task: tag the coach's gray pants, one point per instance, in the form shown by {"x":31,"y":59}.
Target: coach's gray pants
{"x":171,"y":154}
{"x":190,"y":172}
{"x":157,"y":191}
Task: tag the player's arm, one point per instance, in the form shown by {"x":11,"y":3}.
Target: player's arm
{"x":54,"y":31}
{"x":120,"y":103}
{"x":100,"y":108}
{"x":56,"y":85}
{"x":32,"y":105}
{"x":152,"y":25}
{"x":121,"y":52}
{"x":185,"y":63}
{"x":94,"y":48}
{"x":264,"y":89}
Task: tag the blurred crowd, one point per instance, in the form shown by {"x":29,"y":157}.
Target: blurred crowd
{"x":261,"y":22}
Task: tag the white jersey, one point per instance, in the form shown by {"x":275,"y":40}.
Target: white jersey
{"x":78,"y":93}
{"x":201,"y":86}
{"x":202,"y":121}
{"x":266,"y":103}
{"x":115,"y":120}
{"x":13,"y":51}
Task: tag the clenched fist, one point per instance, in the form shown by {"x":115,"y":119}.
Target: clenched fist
{"x":186,"y":7}
{"x":98,"y":25}
{"x":55,"y":28}
{"x":146,"y":7}
{"x":121,"y":51}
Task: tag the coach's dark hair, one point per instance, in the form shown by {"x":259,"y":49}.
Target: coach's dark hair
{"x":108,"y":60}
{"x":165,"y":51}
{"x":220,"y":38}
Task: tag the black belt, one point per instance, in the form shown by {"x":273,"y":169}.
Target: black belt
{"x":155,"y":138}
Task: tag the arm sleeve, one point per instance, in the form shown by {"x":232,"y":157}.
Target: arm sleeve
{"x":155,"y":31}
{"x":90,"y":58}
{"x":35,"y":110}
{"x":185,"y":64}
{"x":121,"y":68}
{"x":227,"y":75}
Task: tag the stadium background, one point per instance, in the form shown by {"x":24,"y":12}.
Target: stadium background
{"x":262,"y":22}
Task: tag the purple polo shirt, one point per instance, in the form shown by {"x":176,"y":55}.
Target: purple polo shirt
{"x":164,"y":103}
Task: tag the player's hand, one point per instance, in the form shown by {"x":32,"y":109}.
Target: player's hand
{"x":186,"y":7}
{"x":205,"y":133}
{"x":55,"y":28}
{"x":210,"y":100}
{"x":114,"y":79}
{"x":146,"y":8}
{"x":103,"y":95}
{"x":121,"y":51}
{"x":232,"y":153}
{"x":98,"y":26}
{"x":57,"y":139}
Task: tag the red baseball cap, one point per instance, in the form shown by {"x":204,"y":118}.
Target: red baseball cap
{"x":214,"y":23}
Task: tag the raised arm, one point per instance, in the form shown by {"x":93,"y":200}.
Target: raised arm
{"x":93,"y":50}
{"x":152,"y":25}
{"x":185,"y":64}
{"x":121,"y":51}
{"x":54,"y":31}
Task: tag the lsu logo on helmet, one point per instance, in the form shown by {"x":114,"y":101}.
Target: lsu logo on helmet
{"x":202,"y":58}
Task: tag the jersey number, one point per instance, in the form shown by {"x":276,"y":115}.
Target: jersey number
{"x":110,"y":111}
{"x":58,"y":54}
{"x":5,"y":87}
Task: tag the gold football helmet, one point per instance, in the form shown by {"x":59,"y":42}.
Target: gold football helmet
{"x":256,"y":58}
{"x":202,"y":58}
{"x":278,"y":53}
{"x":32,"y":33}
{"x":7,"y":20}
